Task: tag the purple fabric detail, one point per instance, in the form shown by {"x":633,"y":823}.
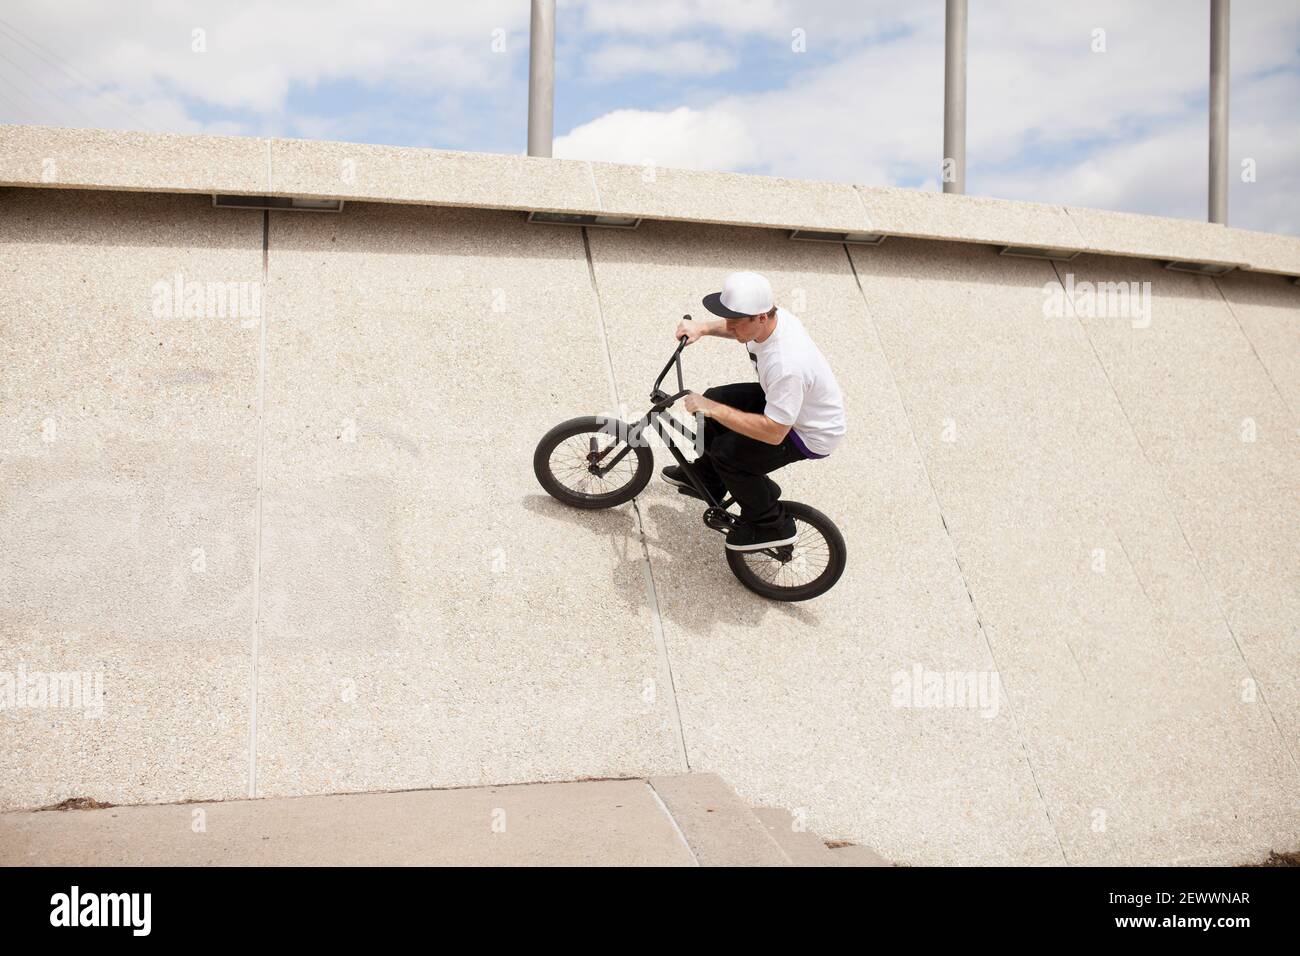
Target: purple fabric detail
{"x":803,"y":449}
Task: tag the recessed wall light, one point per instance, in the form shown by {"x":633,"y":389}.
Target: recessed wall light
{"x":1038,"y":252}
{"x":857,"y":238}
{"x":1200,"y":268}
{"x":583,"y":219}
{"x":292,"y":203}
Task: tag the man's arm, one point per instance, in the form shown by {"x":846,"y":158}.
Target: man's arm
{"x":750,"y":424}
{"x":693,"y":329}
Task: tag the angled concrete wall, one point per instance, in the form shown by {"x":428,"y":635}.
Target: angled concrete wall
{"x":1265,"y":308}
{"x":387,"y":600}
{"x":430,"y":616}
{"x":1212,"y":418}
{"x":128,"y":446}
{"x":1109,"y":635}
{"x":794,"y":704}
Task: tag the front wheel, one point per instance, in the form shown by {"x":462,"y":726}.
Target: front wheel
{"x":799,"y":571}
{"x":593,"y":462}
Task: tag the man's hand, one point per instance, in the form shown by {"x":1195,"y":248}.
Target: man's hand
{"x":694,"y":328}
{"x":750,"y":424}
{"x":698,"y":403}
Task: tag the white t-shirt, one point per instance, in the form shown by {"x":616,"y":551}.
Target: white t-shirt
{"x":800,"y":388}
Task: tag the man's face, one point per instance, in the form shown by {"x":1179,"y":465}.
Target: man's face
{"x":748,"y":328}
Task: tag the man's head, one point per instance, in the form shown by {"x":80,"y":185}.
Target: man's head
{"x":752,"y":328}
{"x":746,"y":303}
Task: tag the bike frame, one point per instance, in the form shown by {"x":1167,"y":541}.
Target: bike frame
{"x":659,"y":419}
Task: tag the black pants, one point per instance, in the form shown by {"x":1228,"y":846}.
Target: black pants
{"x":740,"y":463}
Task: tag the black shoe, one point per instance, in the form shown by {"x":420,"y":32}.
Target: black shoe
{"x":676,"y":475}
{"x":749,"y":537}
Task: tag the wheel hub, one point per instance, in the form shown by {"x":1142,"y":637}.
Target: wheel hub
{"x":594,"y":456}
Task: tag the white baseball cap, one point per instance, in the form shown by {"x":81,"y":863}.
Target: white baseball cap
{"x":743,"y":294}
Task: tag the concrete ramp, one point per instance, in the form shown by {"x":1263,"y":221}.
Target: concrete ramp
{"x":128,"y":502}
{"x":788,"y":701}
{"x":1084,"y":468}
{"x":1266,"y":311}
{"x":431,"y":616}
{"x":357,"y":467}
{"x":302,"y":552}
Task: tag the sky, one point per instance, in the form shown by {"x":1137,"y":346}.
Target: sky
{"x":1099,"y":103}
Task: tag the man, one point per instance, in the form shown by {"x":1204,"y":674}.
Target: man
{"x":793,"y":412}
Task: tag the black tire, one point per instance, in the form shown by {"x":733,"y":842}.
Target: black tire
{"x":747,"y":565}
{"x":606,"y":432}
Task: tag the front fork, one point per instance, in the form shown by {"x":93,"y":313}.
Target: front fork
{"x":716,"y":516}
{"x":628,"y":436}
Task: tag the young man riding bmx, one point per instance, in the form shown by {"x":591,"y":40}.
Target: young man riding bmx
{"x":794,"y":411}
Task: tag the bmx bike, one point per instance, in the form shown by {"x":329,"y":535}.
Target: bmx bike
{"x":599,"y":462}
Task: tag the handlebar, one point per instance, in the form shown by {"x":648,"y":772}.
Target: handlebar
{"x":655,"y":394}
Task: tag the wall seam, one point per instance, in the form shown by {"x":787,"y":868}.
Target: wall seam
{"x":647,"y":570}
{"x":870,"y":223}
{"x":591,"y":172}
{"x":1196,"y":558}
{"x":255,"y":638}
{"x":1286,"y":405}
{"x":952,"y":545}
{"x":1077,"y":231}
{"x":695,"y":861}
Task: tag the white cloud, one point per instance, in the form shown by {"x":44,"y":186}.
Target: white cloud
{"x":826,"y":23}
{"x":684,"y":137}
{"x":665,"y":17}
{"x":1049,"y":119}
{"x":255,"y":53}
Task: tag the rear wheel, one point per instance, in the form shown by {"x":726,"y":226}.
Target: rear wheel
{"x":590,"y":463}
{"x":799,"y":571}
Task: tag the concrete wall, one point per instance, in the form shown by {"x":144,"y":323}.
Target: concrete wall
{"x":61,"y":158}
{"x":388,"y":600}
{"x":1071,"y":439}
{"x":486,"y":633}
{"x":127,"y":443}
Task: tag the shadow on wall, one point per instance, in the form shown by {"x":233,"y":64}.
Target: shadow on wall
{"x":693,"y":552}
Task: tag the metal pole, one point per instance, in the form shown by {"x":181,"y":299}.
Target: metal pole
{"x":541,"y":78}
{"x":954,"y":97}
{"x":1219,"y":111}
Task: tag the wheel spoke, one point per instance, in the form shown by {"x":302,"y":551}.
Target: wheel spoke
{"x":569,"y":465}
{"x":810,"y":559}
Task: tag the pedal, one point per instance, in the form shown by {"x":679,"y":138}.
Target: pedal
{"x":719,"y":519}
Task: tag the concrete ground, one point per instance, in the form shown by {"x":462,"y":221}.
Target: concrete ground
{"x":307,"y":553}
{"x":683,"y":820}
